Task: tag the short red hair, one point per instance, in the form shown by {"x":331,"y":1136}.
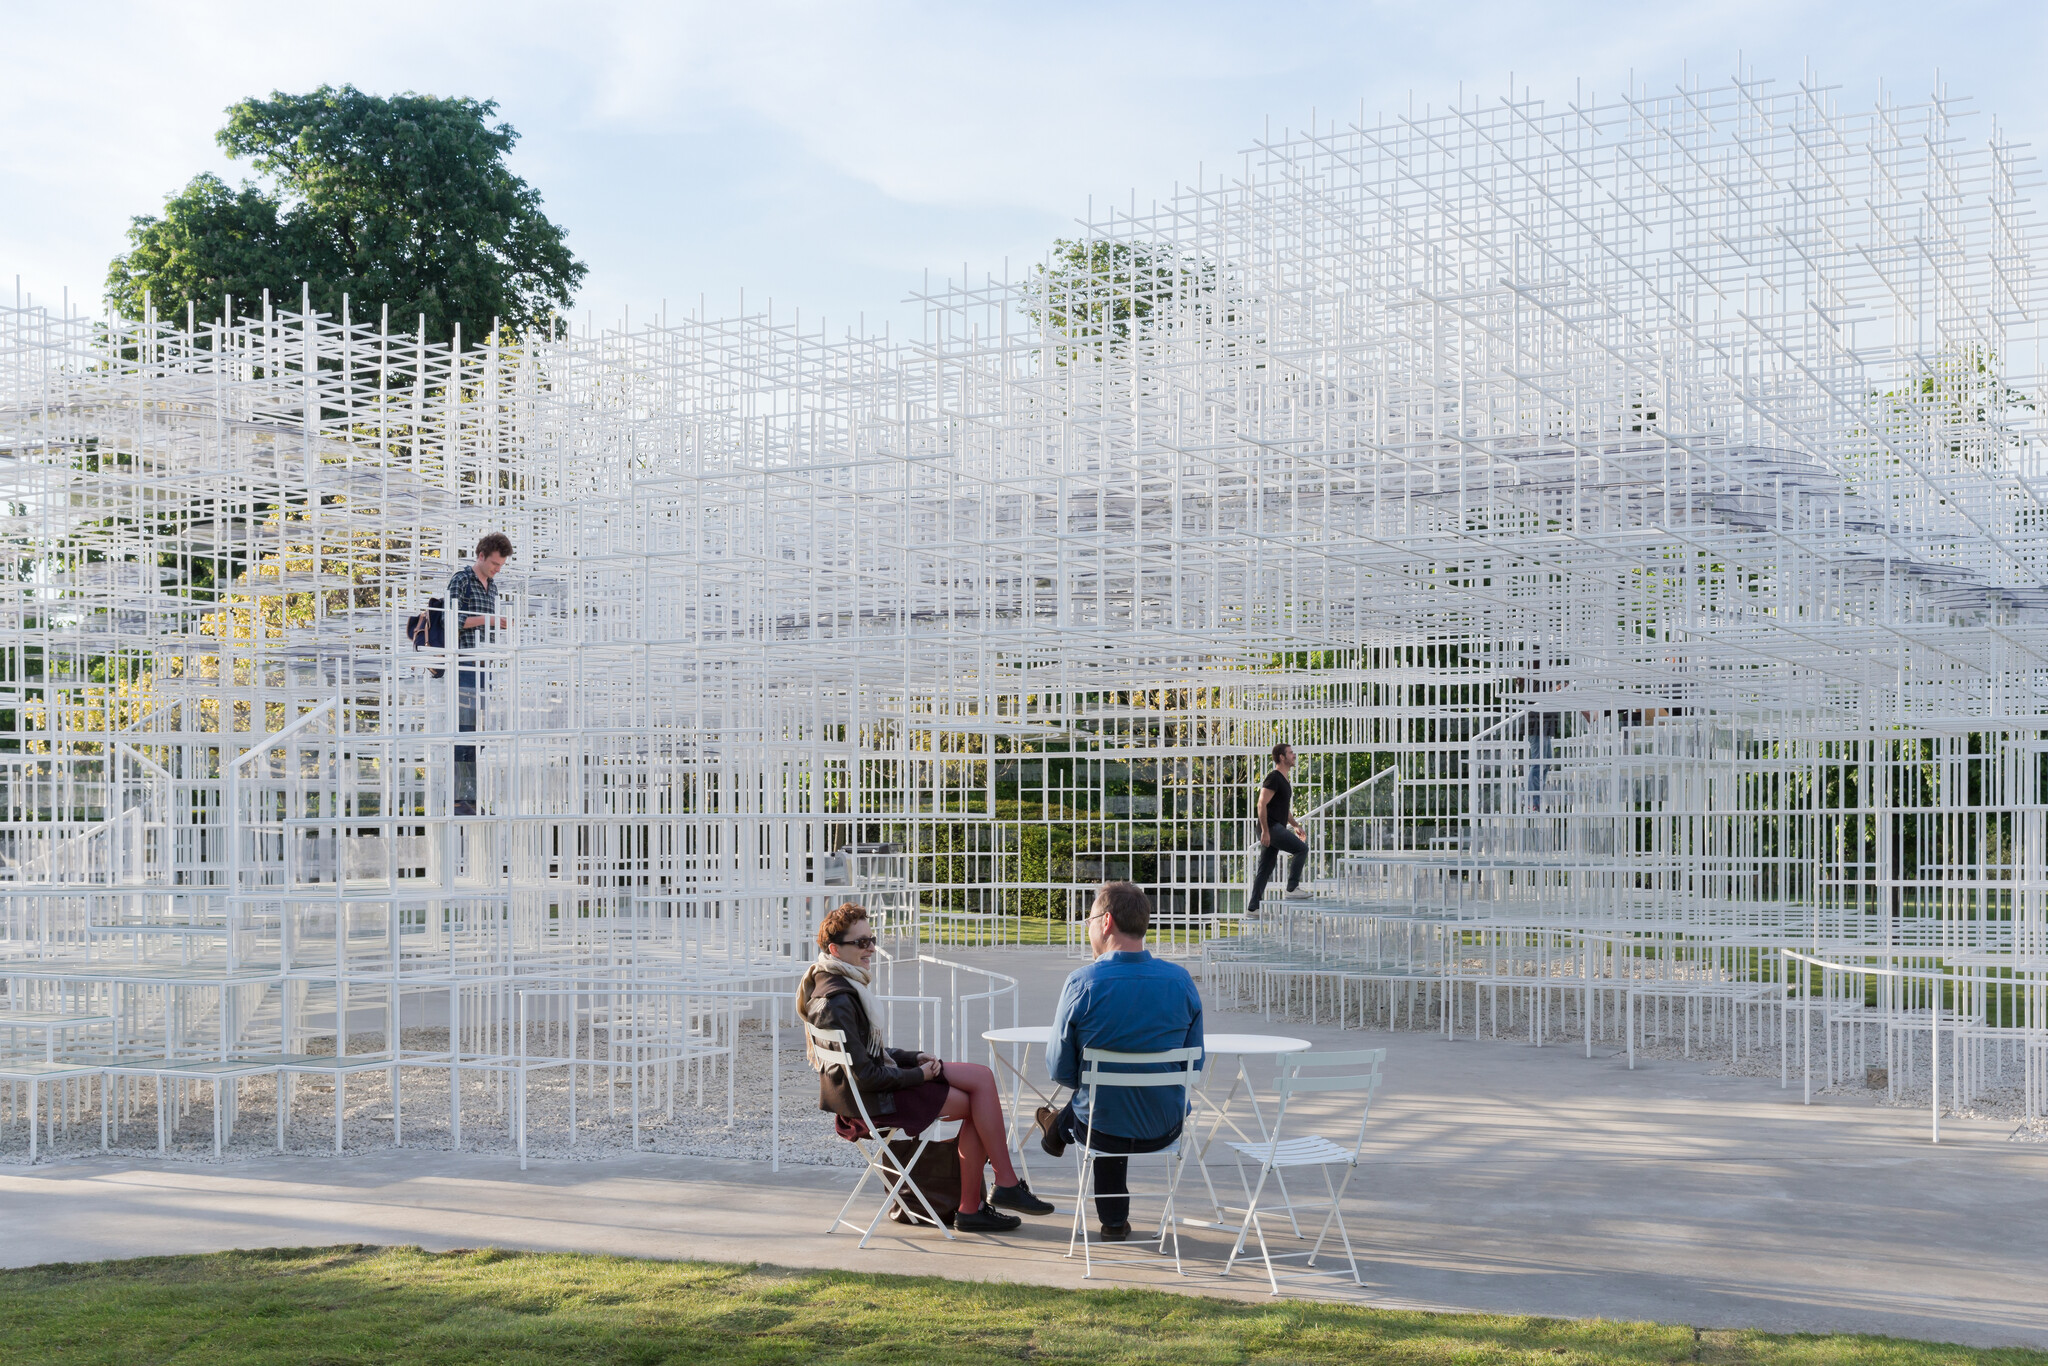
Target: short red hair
{"x":838,"y":921}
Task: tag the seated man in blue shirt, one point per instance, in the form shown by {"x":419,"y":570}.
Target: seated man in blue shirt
{"x":1129,"y":1002}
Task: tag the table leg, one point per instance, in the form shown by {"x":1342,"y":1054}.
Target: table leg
{"x":1002,"y":1064}
{"x":1219,"y":1116}
{"x":1265,"y":1136}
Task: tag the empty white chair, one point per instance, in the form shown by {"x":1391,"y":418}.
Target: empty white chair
{"x":1302,"y":1074}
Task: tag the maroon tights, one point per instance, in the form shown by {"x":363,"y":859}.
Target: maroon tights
{"x":977,"y":1103}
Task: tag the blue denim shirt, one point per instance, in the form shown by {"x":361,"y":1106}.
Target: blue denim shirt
{"x":1130,"y":1003}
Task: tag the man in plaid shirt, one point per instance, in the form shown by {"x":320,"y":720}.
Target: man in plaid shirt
{"x":474,"y":596}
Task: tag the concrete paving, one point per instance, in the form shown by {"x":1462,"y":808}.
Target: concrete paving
{"x":1502,"y":1178}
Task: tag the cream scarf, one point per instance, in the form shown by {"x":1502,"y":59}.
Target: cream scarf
{"x":855,"y":977}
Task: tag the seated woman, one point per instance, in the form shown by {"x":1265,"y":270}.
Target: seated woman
{"x":903,"y":1089}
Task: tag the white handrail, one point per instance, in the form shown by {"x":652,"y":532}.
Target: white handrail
{"x":1346,"y":794}
{"x":139,"y":757}
{"x":1511,"y":716}
{"x":272,"y":741}
{"x":1933,"y":1025}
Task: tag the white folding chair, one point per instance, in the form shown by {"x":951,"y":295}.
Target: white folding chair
{"x":830,"y":1045}
{"x":1277,"y":1153}
{"x":1184,"y":1070}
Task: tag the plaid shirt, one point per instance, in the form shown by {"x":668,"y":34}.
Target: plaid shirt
{"x":471,"y":597}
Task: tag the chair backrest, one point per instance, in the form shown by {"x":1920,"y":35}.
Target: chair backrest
{"x":829,"y":1045}
{"x":1308,"y":1072}
{"x":1180,"y":1067}
{"x":1172,"y":1067}
{"x":1362,"y":1070}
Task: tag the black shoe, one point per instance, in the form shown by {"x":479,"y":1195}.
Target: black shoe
{"x":1115,"y":1233}
{"x":987,"y":1219}
{"x":1019,"y":1197}
{"x":1048,"y":1143}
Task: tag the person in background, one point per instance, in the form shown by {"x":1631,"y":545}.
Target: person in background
{"x":1279,"y":832}
{"x":1126,"y":1001}
{"x":903,"y":1089}
{"x":473,"y":596}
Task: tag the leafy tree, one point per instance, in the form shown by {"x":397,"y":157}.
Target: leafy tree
{"x":402,"y":201}
{"x":1102,"y":291}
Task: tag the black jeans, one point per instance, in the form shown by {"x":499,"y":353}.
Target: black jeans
{"x":1284,"y":839}
{"x":471,"y":685}
{"x":1112,"y":1170}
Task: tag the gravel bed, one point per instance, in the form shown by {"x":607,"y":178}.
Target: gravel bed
{"x":687,"y":1127}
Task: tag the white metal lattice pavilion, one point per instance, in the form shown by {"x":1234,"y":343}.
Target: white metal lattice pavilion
{"x":1633,"y":509}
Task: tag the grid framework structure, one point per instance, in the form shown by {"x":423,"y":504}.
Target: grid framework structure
{"x":1632,"y":511}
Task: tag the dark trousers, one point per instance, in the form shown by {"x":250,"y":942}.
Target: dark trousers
{"x":1284,"y":840}
{"x":1112,"y":1170}
{"x":470,"y":685}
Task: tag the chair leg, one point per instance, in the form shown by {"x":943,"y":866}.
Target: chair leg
{"x":1081,"y":1186}
{"x":858,"y":1186}
{"x":895,"y":1176}
{"x":1170,"y":1220}
{"x":890,"y":1197}
{"x":1324,"y":1232}
{"x":1202,"y":1166}
{"x":1287,"y":1202}
{"x":1337,"y":1210}
{"x":1251,"y":1206}
{"x":1259,"y":1228}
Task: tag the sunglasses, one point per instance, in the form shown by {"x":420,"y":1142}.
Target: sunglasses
{"x":866,"y":941}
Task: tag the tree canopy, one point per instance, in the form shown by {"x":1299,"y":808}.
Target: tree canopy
{"x":402,"y":201}
{"x":1096,"y":291}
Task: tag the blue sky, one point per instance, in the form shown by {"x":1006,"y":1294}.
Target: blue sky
{"x":825,"y":156}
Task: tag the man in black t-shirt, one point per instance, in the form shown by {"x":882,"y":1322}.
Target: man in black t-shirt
{"x":1278,"y":830}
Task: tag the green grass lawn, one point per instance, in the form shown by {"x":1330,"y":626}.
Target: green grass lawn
{"x":306,"y":1306}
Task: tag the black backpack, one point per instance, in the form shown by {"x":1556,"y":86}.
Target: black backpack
{"x":428,"y":630}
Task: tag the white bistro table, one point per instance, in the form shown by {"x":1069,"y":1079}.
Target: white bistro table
{"x":1240,"y":1047}
{"x":1020,"y":1040}
{"x":1219,"y":1113}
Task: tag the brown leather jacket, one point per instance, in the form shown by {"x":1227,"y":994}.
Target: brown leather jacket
{"x":834,"y":1006}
